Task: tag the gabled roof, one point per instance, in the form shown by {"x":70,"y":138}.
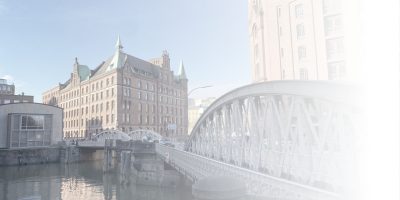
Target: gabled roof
{"x":119,"y":60}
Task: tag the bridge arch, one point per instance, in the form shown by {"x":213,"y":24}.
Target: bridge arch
{"x":302,"y":131}
{"x":144,"y":134}
{"x":111,"y":134}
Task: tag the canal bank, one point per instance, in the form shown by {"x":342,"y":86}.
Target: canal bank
{"x":9,"y":157}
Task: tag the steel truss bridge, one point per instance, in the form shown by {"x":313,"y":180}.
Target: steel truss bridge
{"x":99,"y":139}
{"x":285,"y":139}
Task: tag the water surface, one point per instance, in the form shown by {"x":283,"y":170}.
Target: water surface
{"x":78,"y":181}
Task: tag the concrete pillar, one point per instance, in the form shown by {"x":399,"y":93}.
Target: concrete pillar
{"x":125,"y":167}
{"x":108,"y":158}
{"x":69,"y":154}
{"x":219,"y":187}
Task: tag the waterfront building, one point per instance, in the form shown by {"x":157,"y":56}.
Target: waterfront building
{"x":7,"y":94}
{"x":303,"y":39}
{"x":28,"y":125}
{"x":124,"y":93}
{"x":196,"y":109}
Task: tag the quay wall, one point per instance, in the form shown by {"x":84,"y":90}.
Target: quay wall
{"x":29,"y":156}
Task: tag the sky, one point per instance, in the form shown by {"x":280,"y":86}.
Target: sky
{"x":39,"y":40}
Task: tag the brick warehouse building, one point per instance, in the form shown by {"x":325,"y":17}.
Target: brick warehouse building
{"x":124,"y":93}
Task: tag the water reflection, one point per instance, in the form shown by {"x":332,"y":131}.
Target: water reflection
{"x":75,"y":182}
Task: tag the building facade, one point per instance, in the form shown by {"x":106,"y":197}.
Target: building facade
{"x":7,"y":94}
{"x":196,"y":109}
{"x":301,"y":39}
{"x":28,"y":125}
{"x":124,"y":93}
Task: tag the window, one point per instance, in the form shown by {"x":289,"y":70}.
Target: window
{"x":299,"y":10}
{"x":30,"y":130}
{"x":300,"y":31}
{"x":335,"y":48}
{"x":303,"y":74}
{"x":332,"y":24}
{"x":331,"y":6}
{"x":31,"y":122}
{"x":256,"y":51}
{"x":336,"y":70}
{"x":283,"y":74}
{"x":302,"y":52}
{"x":279,"y":11}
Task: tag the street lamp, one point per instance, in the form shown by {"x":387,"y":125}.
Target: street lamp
{"x":207,"y":86}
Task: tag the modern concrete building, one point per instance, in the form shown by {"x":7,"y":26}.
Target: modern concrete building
{"x":124,"y":93}
{"x":28,"y":125}
{"x":302,"y":39}
{"x":196,"y":109}
{"x":7,"y":94}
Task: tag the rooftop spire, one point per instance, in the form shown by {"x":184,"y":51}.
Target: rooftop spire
{"x":118,"y":45}
{"x":181,"y":73}
{"x":76,"y":64}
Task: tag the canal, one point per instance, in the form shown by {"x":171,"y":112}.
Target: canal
{"x":79,"y":181}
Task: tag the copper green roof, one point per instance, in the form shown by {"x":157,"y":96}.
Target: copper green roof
{"x":84,"y":72}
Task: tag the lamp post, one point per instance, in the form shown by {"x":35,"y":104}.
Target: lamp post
{"x":192,"y":90}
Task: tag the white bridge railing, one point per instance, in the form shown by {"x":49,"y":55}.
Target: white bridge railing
{"x":196,"y":167}
{"x":91,"y":143}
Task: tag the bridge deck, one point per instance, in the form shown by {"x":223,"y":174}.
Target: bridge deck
{"x":197,"y":167}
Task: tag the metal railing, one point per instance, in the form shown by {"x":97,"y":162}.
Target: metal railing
{"x":196,"y":167}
